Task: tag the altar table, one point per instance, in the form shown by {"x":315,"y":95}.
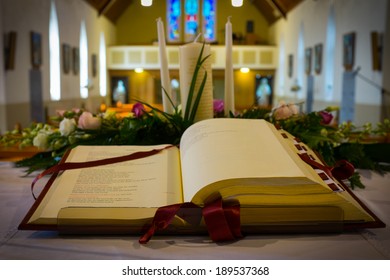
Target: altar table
{"x":16,"y":199}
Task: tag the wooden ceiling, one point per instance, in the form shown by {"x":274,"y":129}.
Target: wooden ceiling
{"x":112,"y":9}
{"x":271,"y":9}
{"x":275,"y":9}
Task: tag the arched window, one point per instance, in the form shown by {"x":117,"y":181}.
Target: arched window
{"x":84,"y":84}
{"x":329,"y":55}
{"x":54,"y":54}
{"x":281,"y":68}
{"x":102,"y":66}
{"x":301,"y":61}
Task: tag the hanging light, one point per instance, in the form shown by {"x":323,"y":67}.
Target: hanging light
{"x":148,"y":3}
{"x":237,"y":3}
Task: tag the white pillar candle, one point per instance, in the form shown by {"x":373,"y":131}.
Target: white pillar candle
{"x":164,"y":72}
{"x":229,"y":78}
{"x":188,"y":56}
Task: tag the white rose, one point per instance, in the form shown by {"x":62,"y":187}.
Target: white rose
{"x":67,"y":126}
{"x":41,"y":140}
{"x":284,"y":111}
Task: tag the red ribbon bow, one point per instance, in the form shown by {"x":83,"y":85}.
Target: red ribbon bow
{"x":341,"y":171}
{"x":222,"y":222}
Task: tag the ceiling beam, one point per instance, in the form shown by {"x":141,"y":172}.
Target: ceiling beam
{"x":277,"y":5}
{"x":106,"y":5}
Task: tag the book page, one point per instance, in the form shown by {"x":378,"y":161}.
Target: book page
{"x":224,"y":149}
{"x":148,"y":182}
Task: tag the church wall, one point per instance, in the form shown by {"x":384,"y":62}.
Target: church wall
{"x":386,"y":67}
{"x":359,"y":16}
{"x":2,"y":77}
{"x":24,"y":16}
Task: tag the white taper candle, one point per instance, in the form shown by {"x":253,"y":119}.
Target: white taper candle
{"x":164,"y":72}
{"x":229,"y":78}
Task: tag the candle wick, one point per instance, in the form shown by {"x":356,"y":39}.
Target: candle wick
{"x":229,"y":17}
{"x":197,"y":37}
{"x":158,"y":19}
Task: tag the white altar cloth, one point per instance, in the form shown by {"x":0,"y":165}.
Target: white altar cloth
{"x":16,"y":199}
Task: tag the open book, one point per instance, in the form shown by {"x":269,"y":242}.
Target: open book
{"x":249,"y":162}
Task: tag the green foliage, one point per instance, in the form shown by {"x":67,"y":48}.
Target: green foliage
{"x":366,"y":156}
{"x":39,"y":161}
{"x":255,"y":113}
{"x":151,"y":129}
{"x":355,"y":181}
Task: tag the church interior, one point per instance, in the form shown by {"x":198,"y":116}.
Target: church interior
{"x":315,"y":53}
{"x":274,"y":171}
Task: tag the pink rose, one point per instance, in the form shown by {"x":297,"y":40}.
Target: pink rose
{"x":293,"y":108}
{"x":60,"y":113}
{"x":88,"y":121}
{"x":138,"y":109}
{"x":218,"y":105}
{"x":326,"y":117}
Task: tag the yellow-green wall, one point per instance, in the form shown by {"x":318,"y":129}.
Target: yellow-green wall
{"x":137,"y":25}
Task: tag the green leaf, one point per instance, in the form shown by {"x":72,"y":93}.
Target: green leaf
{"x":355,"y":181}
{"x":197,"y":99}
{"x":169,"y":98}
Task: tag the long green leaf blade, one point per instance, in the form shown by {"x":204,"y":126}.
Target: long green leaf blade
{"x":198,"y":97}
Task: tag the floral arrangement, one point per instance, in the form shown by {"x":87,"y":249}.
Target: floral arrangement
{"x":147,"y":125}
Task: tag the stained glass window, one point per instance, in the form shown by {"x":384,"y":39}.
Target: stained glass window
{"x":188,"y":16}
{"x":174,"y":20}
{"x":209,"y":20}
{"x":191,"y":18}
